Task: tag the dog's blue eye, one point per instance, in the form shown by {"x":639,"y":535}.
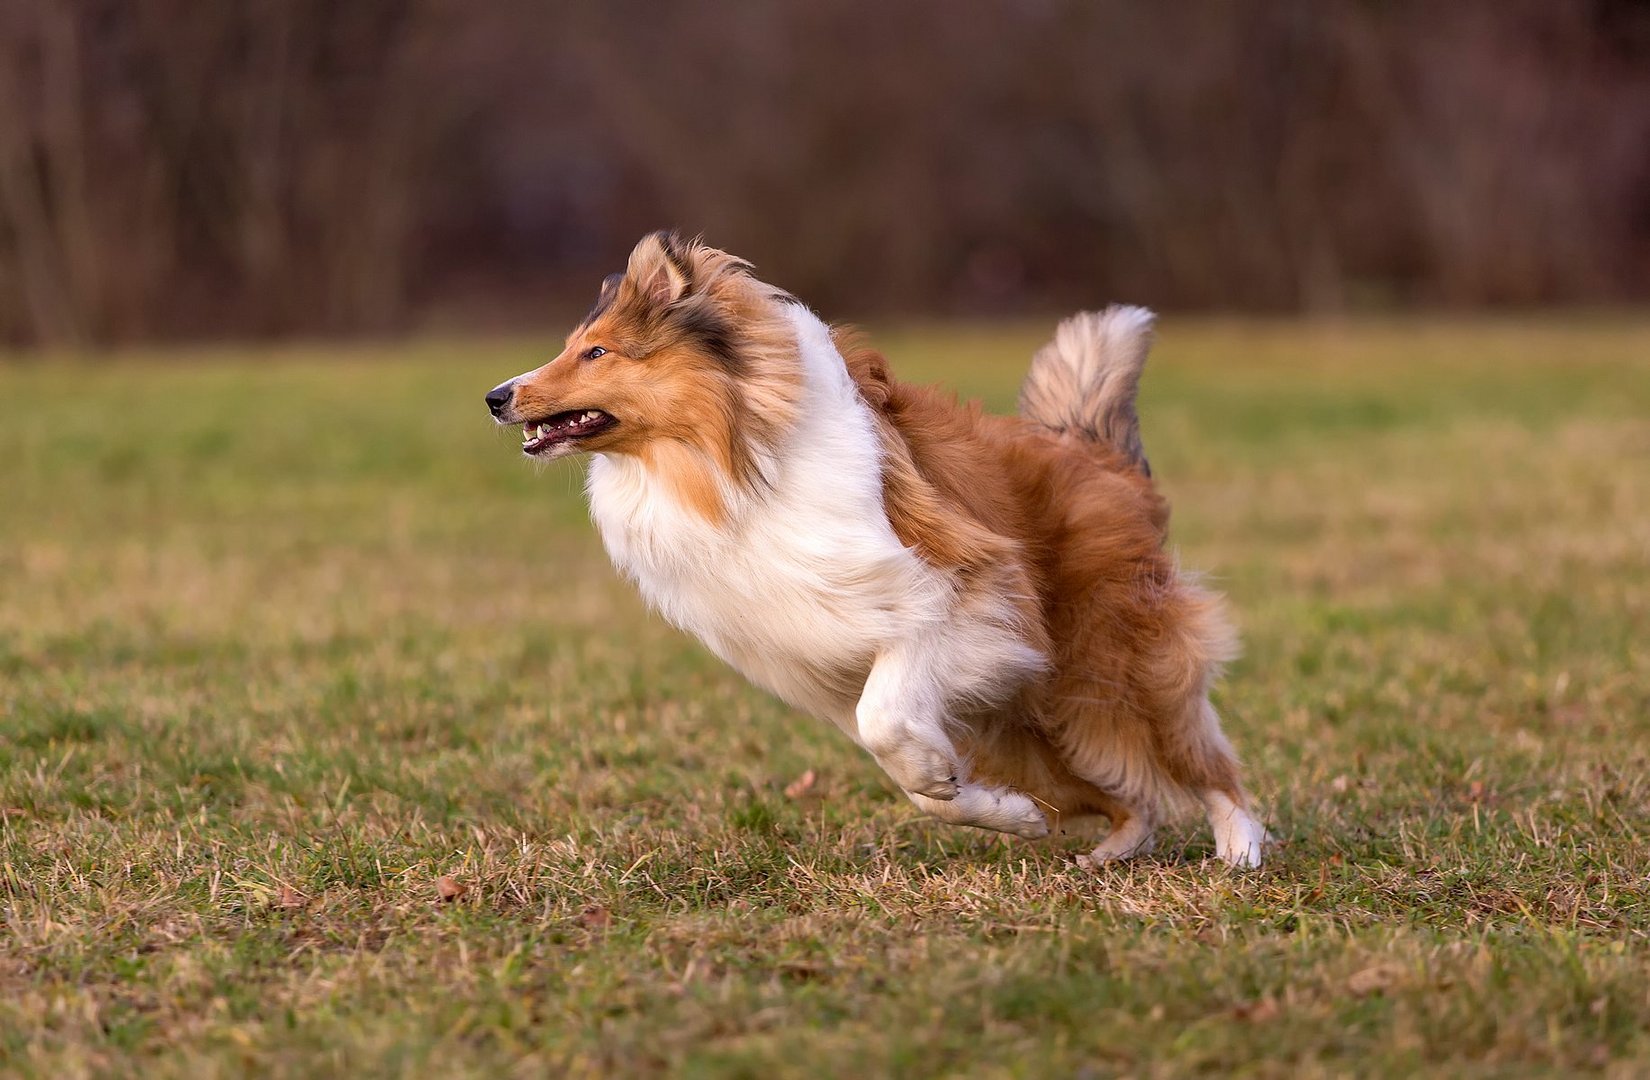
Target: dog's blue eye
{"x":596,"y":352}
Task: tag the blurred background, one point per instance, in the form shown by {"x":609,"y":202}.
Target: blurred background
{"x":330,"y":744}
{"x":171,"y":169}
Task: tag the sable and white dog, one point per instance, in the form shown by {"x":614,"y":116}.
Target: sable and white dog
{"x":984,"y":603}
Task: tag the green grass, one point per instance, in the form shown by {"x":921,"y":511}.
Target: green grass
{"x":288,"y":637}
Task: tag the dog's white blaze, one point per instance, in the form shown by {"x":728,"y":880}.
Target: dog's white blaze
{"x":806,"y":589}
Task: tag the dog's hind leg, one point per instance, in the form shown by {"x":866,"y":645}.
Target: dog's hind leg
{"x":1203,"y":763}
{"x":1239,"y":838}
{"x":1131,"y":834}
{"x":997,"y":809}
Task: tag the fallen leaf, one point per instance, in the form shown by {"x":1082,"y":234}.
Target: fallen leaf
{"x":1323,"y":884}
{"x":1374,"y":980}
{"x":595,"y":917}
{"x":1257,"y":1011}
{"x":802,"y":785}
{"x":449,"y":889}
{"x":1570,"y":715}
{"x":288,"y":897}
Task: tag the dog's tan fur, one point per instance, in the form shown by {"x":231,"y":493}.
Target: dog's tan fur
{"x":696,"y":422}
{"x":1080,"y":528}
{"x":1051,"y":517}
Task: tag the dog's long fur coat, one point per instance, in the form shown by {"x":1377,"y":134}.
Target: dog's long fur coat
{"x":984,"y":603}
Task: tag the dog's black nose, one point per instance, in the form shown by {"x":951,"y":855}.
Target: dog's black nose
{"x":498,"y":397}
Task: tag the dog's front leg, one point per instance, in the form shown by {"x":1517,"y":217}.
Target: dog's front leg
{"x":901,"y":719}
{"x":998,"y":809}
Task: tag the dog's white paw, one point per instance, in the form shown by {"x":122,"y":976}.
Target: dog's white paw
{"x":1239,"y":838}
{"x":920,"y":770}
{"x":943,"y":790}
{"x":1019,"y":816}
{"x":1242,"y":855}
{"x":997,"y":809}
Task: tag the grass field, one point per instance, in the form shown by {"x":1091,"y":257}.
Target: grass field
{"x":289,"y":638}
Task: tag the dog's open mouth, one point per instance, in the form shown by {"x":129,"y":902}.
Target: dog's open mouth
{"x":537,"y":436}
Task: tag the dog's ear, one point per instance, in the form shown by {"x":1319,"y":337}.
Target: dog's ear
{"x":660,"y":270}
{"x":604,"y":300}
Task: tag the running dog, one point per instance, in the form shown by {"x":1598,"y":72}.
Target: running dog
{"x":984,"y":603}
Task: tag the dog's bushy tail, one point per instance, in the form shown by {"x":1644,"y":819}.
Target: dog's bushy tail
{"x":1084,"y":382}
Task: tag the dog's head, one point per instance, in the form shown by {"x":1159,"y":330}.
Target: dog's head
{"x":684,"y":351}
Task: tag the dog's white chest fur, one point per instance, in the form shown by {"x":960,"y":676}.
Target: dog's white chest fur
{"x":806,"y":583}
